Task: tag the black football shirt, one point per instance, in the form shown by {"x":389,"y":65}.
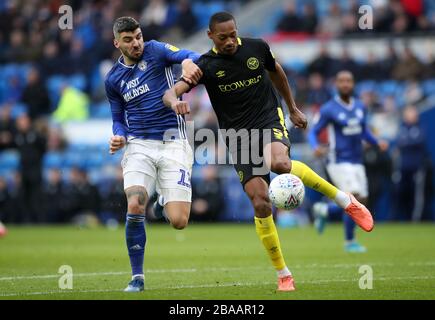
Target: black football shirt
{"x":239,"y":86}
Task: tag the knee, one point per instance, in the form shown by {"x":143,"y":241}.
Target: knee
{"x":281,"y":165}
{"x":180,"y":223}
{"x":135,"y":207}
{"x":261,"y":204}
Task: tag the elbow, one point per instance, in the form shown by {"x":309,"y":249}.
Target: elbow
{"x":166,"y":98}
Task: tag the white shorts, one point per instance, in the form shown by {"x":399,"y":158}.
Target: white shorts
{"x":349,"y":177}
{"x":162,"y":166}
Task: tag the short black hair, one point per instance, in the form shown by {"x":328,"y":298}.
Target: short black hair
{"x":220,"y":17}
{"x":124,"y":24}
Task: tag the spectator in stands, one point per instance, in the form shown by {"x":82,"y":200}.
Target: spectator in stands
{"x":379,"y":170}
{"x":350,"y":20}
{"x":115,"y":200}
{"x":56,"y":141}
{"x":83,"y":197}
{"x":78,"y":60}
{"x":153,"y":19}
{"x":36,"y":43}
{"x":7,"y":127}
{"x":4,"y":200}
{"x":17,"y":50}
{"x":371,"y":68}
{"x":384,"y":17}
{"x":413,"y":93}
{"x":410,"y":177}
{"x":409,"y":67}
{"x":429,"y":68}
{"x":290,"y":21}
{"x":35,"y":96}
{"x":186,"y":20}
{"x":323,"y":63}
{"x":331,"y":24}
{"x":318,"y":93}
{"x":51,"y":63}
{"x":54,"y":197}
{"x":73,"y":106}
{"x":309,"y":18}
{"x":413,"y":10}
{"x":31,"y":146}
{"x":388,"y":63}
{"x":207,"y":196}
{"x":371,"y":101}
{"x":347,"y":63}
{"x":394,"y":20}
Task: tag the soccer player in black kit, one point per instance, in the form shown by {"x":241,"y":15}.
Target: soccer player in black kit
{"x":241,"y":76}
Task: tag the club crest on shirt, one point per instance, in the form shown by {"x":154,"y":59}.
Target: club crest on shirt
{"x":253,"y":63}
{"x":142,"y":65}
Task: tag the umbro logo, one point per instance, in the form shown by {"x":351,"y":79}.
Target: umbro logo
{"x":136,"y":247}
{"x":220,"y":74}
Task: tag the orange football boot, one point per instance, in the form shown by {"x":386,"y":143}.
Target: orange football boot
{"x":360,"y":214}
{"x":286,"y":284}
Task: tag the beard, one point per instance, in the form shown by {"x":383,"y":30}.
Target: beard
{"x":135,"y":58}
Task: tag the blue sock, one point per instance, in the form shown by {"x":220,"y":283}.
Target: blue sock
{"x":349,"y":227}
{"x":334,"y":209}
{"x":136,"y":238}
{"x":349,"y":224}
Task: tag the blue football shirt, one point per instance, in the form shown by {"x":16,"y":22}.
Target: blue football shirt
{"x":135,"y":94}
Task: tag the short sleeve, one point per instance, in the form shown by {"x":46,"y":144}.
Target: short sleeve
{"x":269,"y":61}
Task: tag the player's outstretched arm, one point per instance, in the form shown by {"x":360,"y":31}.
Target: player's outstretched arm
{"x":170,"y":98}
{"x":191,"y":72}
{"x":280,"y":82}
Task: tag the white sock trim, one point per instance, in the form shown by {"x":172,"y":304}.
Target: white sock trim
{"x":138,"y":276}
{"x":284,"y":272}
{"x":342,"y":199}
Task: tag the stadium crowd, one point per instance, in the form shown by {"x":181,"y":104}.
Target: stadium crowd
{"x":340,"y":19}
{"x":51,"y":77}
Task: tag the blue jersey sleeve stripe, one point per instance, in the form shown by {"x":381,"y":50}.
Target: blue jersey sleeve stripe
{"x":171,"y":83}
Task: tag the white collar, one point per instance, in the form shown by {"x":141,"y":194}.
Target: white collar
{"x":349,"y":106}
{"x":124,"y":65}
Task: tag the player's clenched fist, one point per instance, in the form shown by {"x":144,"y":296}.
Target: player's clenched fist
{"x":116,"y":143}
{"x":299,"y":119}
{"x":180,"y":107}
{"x":191,"y":72}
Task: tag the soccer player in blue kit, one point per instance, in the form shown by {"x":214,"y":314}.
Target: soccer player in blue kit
{"x":346,"y":120}
{"x":157,"y":154}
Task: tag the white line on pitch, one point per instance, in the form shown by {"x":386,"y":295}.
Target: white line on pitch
{"x":91,"y":274}
{"x":221,"y":285}
{"x":216,"y":269}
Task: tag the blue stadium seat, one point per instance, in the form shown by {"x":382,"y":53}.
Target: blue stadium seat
{"x":237,"y":205}
{"x":9,"y":160}
{"x":18,"y":109}
{"x":428,"y":87}
{"x":100,"y":110}
{"x":77,"y":81}
{"x":94,"y":160}
{"x":368,"y":85}
{"x":388,"y":87}
{"x":296,"y":65}
{"x":54,"y":86}
{"x":53,"y":160}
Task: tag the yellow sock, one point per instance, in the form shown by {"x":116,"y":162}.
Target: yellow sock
{"x":313,"y":180}
{"x":268,"y":235}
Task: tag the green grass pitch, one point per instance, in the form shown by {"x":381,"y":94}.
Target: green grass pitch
{"x":217,"y":261}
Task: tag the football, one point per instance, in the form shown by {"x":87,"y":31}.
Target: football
{"x":286,"y":191}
